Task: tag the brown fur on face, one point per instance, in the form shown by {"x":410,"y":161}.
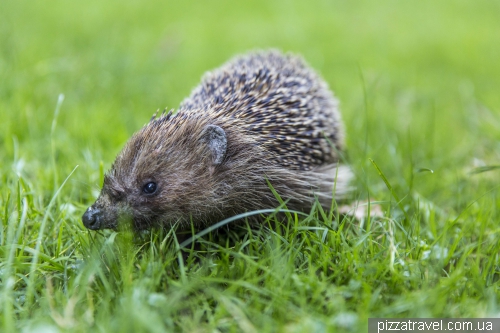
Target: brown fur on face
{"x":263,"y":117}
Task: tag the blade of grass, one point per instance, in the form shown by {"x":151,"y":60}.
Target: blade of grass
{"x":31,"y":285}
{"x":235,"y":218}
{"x":391,"y":189}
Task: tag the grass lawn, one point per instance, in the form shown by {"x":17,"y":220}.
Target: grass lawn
{"x":419,"y":84}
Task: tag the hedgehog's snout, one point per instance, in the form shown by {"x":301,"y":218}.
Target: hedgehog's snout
{"x":92,"y":218}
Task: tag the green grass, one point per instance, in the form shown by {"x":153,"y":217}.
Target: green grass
{"x":419,"y":85}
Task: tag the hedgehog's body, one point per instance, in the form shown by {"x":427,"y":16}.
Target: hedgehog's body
{"x":261,"y":119}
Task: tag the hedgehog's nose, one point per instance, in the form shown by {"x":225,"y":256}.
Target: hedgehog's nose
{"x":92,"y":218}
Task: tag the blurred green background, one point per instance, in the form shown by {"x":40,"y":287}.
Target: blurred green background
{"x":429,"y":69}
{"x":418,"y":83}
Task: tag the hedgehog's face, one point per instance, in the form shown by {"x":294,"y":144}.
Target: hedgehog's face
{"x":153,"y":183}
{"x":127,"y":201}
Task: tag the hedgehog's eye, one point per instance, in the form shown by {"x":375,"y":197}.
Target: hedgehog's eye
{"x":149,"y":188}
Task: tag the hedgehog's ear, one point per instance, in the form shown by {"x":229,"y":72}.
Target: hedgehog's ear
{"x":215,"y":138}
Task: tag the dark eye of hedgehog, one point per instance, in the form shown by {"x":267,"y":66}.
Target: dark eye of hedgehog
{"x":149,"y":188}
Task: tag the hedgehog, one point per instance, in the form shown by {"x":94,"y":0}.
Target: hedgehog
{"x":262,"y":128}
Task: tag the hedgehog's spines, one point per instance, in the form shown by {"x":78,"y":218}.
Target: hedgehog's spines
{"x":169,"y":114}
{"x":154,"y":116}
{"x":166,"y":116}
{"x":279,"y":99}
